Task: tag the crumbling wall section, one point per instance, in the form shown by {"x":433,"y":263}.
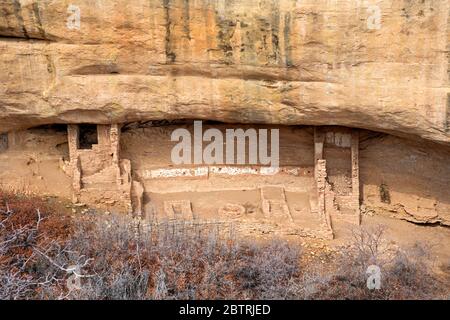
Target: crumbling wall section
{"x":33,"y":162}
{"x":98,"y":174}
{"x":337,"y":196}
{"x":323,"y":194}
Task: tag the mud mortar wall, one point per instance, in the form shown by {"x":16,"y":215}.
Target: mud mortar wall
{"x":397,"y":177}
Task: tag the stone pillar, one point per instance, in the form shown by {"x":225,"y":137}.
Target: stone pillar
{"x":73,"y":138}
{"x":76,"y":179}
{"x":137,"y":198}
{"x":114,"y":136}
{"x":103,"y":134}
{"x":127,"y":184}
{"x":321,"y":177}
{"x":322,"y":185}
{"x":355,"y":173}
{"x":319,"y":139}
{"x":320,"y":171}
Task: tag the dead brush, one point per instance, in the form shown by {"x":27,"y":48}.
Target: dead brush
{"x":117,"y":257}
{"x":180,"y":260}
{"x":405,"y":272}
{"x":26,"y":271}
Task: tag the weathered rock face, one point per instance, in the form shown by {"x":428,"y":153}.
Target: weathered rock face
{"x":316,"y":69}
{"x":381,"y":66}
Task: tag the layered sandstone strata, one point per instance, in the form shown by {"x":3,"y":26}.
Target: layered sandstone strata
{"x":379,"y":65}
{"x":336,"y":66}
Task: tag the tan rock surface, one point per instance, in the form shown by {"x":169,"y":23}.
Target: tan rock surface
{"x":256,"y":61}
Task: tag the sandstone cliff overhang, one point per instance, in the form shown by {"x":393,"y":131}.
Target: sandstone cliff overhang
{"x":249,"y":61}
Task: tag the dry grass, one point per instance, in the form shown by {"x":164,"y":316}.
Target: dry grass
{"x":119,"y":258}
{"x":405,"y":272}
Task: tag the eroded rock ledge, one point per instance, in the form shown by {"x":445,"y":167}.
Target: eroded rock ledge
{"x":248,"y":61}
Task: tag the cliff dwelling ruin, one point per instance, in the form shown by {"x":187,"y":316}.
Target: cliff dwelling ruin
{"x":325,"y":174}
{"x":90,"y":94}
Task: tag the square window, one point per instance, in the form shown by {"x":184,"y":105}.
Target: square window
{"x":88,"y":136}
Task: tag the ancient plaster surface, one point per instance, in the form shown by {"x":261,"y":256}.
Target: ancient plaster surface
{"x":325,"y":173}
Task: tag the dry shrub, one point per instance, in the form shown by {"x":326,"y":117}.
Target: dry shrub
{"x":120,"y":258}
{"x":27,"y":236}
{"x":173,"y":260}
{"x":405,"y":272}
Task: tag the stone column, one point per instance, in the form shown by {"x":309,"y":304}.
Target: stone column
{"x":73,"y":137}
{"x":114,"y":136}
{"x":319,"y":139}
{"x":320,"y":171}
{"x":355,"y":173}
{"x":321,"y":176}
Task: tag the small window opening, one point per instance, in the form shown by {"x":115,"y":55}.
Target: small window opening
{"x":88,"y":136}
{"x":3,"y":142}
